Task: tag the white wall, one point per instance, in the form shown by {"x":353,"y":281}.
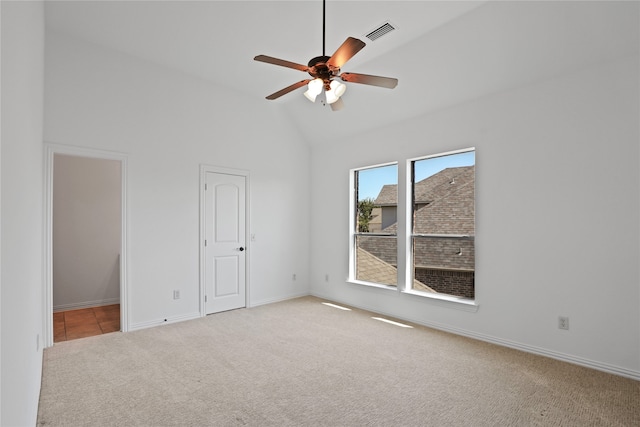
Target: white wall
{"x":167,"y":124}
{"x":557,"y":190}
{"x":86,"y":232}
{"x":22,"y":206}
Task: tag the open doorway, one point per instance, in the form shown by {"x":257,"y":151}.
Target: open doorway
{"x":86,"y":280}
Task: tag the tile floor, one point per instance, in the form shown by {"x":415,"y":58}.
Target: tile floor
{"x":86,"y":322}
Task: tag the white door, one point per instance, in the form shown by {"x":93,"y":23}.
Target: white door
{"x":225,"y":253}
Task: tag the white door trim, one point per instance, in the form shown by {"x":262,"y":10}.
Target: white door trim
{"x":204,"y":169}
{"x":50,"y":151}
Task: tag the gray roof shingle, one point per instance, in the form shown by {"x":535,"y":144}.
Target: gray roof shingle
{"x":445,"y":202}
{"x":388,"y":195}
{"x":439,"y":185}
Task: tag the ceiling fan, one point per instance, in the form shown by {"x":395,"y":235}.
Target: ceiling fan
{"x":325,"y":70}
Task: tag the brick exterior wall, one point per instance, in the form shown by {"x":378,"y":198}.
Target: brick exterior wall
{"x":458,"y":283}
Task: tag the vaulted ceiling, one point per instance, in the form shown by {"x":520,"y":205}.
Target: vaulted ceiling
{"x":442,"y":52}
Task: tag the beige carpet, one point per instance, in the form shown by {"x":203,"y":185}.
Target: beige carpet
{"x":303,"y":363}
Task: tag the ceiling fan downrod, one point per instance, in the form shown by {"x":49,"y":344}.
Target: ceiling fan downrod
{"x":324,"y":8}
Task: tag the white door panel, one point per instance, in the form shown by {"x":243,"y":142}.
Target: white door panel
{"x":226,"y":215}
{"x":225,"y":258}
{"x":226,"y":276}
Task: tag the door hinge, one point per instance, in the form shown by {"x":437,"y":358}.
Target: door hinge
{"x":205,"y":242}
{"x":206,"y":187}
{"x":205,"y":298}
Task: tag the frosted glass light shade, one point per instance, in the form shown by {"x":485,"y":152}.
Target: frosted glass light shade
{"x":311,"y":97}
{"x":331,"y":97}
{"x":314,"y":89}
{"x":337,"y":90}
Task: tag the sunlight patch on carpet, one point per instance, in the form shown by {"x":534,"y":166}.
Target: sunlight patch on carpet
{"x":402,"y":325}
{"x":336,"y":306}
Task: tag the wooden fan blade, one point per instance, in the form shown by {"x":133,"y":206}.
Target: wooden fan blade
{"x":345,"y":52}
{"x":280,"y":62}
{"x":287,"y":89}
{"x":366,"y":79}
{"x":338,"y":105}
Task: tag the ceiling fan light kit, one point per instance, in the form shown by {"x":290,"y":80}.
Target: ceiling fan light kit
{"x":335,"y":91}
{"x":315,"y":87}
{"x":324,"y":69}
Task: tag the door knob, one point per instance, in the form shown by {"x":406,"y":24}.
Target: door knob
{"x":241,"y":249}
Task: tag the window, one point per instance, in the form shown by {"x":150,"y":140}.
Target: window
{"x":374,"y":248}
{"x":443,"y":228}
{"x":437,"y":253}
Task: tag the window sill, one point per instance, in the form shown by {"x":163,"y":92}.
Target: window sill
{"x":372,"y":285}
{"x":442,"y":300}
{"x":447,"y":300}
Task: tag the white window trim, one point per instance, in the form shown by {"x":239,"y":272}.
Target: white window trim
{"x":443,"y":299}
{"x":353,"y":222}
{"x":372,"y":284}
{"x":451,"y":301}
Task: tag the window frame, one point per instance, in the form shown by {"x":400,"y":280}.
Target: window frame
{"x":353,"y":226}
{"x":404,"y":236}
{"x":409,"y":270}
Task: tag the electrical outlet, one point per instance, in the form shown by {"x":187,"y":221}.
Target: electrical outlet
{"x":563,"y":322}
{"x":326,"y":277}
{"x":293,"y":277}
{"x":176,"y":294}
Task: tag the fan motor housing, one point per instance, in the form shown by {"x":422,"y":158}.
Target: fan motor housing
{"x":318,"y":68}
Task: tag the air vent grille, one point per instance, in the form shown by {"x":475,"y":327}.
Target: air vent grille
{"x":385,"y":28}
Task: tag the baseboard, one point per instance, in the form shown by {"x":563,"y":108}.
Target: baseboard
{"x":604,"y":367}
{"x":278,"y":299}
{"x":576,"y":360}
{"x":85,"y":304}
{"x":196,"y":315}
{"x":168,"y":320}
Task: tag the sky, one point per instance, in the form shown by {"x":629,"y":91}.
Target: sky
{"x":370,"y":181}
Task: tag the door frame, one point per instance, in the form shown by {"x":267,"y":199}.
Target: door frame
{"x":50,"y":150}
{"x":204,"y":169}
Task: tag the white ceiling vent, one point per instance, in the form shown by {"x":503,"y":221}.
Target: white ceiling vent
{"x":383,"y":29}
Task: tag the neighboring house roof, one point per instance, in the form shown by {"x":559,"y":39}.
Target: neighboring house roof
{"x":444,"y":254}
{"x":388,"y":195}
{"x":445,"y":201}
{"x":429,"y":189}
{"x":372,"y":269}
{"x":450,"y":213}
{"x":439,"y":184}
